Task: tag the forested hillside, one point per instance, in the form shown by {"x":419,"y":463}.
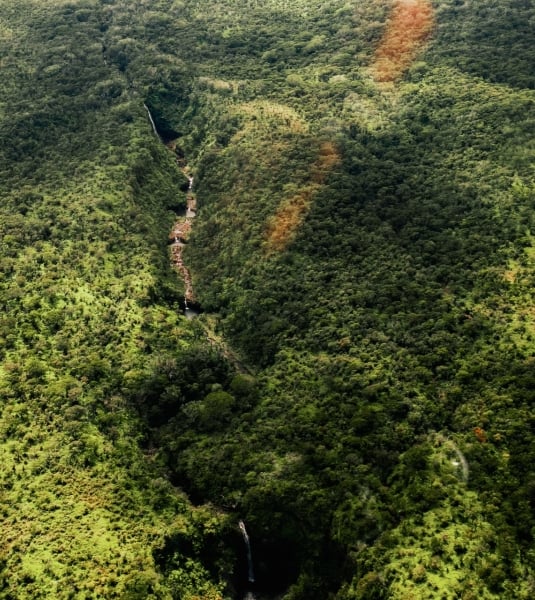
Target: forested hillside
{"x":359,"y":387}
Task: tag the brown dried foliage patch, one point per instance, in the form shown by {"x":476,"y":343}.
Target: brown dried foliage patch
{"x":291,"y":212}
{"x":409,"y":26}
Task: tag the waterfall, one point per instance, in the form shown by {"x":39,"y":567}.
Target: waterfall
{"x":250,"y":571}
{"x":152,"y":122}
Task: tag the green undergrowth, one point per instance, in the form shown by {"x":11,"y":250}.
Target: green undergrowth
{"x":89,"y":305}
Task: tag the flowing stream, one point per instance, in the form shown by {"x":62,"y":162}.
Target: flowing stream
{"x":178,"y":239}
{"x":179,"y":236}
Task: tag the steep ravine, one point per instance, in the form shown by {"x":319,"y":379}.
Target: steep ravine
{"x":244,"y":578}
{"x":179,"y":234}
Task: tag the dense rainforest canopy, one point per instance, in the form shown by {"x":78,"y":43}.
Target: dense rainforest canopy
{"x":359,"y":387}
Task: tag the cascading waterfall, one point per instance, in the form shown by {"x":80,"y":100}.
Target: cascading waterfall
{"x":152,"y":122}
{"x":250,"y":570}
{"x":191,"y":205}
{"x":180,"y":233}
{"x":179,"y":236}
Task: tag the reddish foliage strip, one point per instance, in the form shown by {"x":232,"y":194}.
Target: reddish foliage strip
{"x":480,"y":434}
{"x":291,"y":211}
{"x":409,"y":26}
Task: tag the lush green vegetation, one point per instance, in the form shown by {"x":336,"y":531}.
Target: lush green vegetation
{"x":88,"y":305}
{"x":364,"y":246}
